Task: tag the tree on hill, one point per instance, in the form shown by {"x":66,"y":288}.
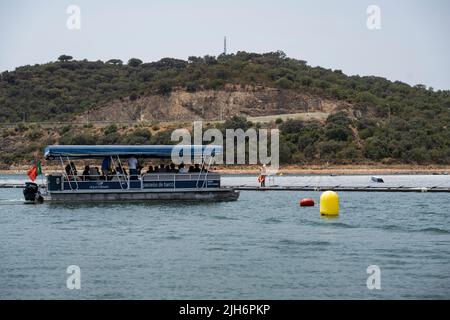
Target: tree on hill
{"x":134,"y":62}
{"x":64,"y":58}
{"x":164,"y":89}
{"x":116,"y":62}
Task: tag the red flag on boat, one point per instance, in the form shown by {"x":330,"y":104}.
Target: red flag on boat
{"x":34,"y":171}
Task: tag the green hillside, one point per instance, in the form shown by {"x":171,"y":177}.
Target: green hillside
{"x":390,"y":122}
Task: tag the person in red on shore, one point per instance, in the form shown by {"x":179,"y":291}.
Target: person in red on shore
{"x":262,"y":176}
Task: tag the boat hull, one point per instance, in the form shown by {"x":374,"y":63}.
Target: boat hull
{"x":219,"y":194}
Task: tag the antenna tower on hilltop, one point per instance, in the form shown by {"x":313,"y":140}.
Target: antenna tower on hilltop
{"x":225,"y":45}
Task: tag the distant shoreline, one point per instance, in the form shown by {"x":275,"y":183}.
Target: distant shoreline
{"x":344,"y":169}
{"x":307,"y":169}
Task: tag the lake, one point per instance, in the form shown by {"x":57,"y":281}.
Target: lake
{"x":263,"y":246}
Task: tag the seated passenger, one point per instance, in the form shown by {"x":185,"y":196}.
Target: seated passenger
{"x":172,"y":168}
{"x":162,"y":168}
{"x":196,"y":168}
{"x":120,"y":170}
{"x":191,"y":169}
{"x":150,"y":169}
{"x":74,"y":168}
{"x":94,"y":174}
{"x":68,"y":169}
{"x":182,"y":168}
{"x":139,"y":169}
{"x":86,"y":174}
{"x":118,"y":177}
{"x":110,"y":174}
{"x":71,"y":172}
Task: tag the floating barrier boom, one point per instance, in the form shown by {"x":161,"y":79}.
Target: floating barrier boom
{"x":309,"y":188}
{"x":347,"y":189}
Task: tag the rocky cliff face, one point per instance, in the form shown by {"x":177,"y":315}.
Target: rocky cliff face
{"x":212,"y":105}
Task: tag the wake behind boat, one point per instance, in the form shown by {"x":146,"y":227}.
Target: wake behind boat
{"x":114,"y":183}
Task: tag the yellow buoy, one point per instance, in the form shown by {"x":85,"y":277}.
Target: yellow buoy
{"x":329,"y":203}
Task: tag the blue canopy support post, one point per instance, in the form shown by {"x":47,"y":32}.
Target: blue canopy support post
{"x":64,"y":174}
{"x":205,"y":178}
{"x":117,"y":174}
{"x":73,"y":175}
{"x":127,"y":176}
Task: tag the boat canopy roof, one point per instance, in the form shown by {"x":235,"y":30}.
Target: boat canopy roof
{"x":141,"y":151}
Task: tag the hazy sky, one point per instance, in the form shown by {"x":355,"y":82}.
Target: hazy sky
{"x":412,"y":45}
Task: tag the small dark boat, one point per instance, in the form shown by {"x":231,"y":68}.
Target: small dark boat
{"x":377,"y":179}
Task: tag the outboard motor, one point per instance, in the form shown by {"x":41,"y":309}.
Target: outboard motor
{"x":31,"y":192}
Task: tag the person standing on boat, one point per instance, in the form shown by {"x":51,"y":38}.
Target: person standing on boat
{"x":132,"y":165}
{"x":262,"y":176}
{"x":106,"y":166}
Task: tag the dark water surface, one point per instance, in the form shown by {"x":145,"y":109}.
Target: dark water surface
{"x":264,"y":246}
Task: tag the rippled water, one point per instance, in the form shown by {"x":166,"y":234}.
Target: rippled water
{"x":264,"y":246}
